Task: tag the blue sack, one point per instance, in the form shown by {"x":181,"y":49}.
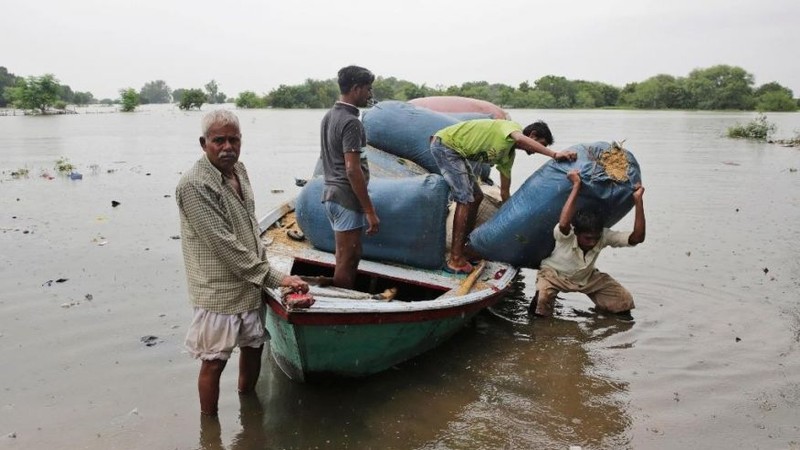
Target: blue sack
{"x":405,"y":130}
{"x":413,"y":212}
{"x":521,"y":233}
{"x":383,"y":164}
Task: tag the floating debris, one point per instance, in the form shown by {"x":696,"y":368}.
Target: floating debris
{"x":89,"y":297}
{"x":75,"y":176}
{"x":115,"y":203}
{"x":149,"y":340}
{"x":277,"y":191}
{"x":300,"y":182}
{"x":175,"y":237}
{"x":50,"y":282}
{"x":20,"y":173}
{"x":64,"y":166}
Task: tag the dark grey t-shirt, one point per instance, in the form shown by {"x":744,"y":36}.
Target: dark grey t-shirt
{"x":341,"y":132}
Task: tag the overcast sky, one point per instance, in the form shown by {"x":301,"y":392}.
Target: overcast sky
{"x":102,"y":46}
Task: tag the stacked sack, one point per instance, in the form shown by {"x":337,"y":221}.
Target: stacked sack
{"x":406,"y":188}
{"x":405,"y":130}
{"x":521,"y":233}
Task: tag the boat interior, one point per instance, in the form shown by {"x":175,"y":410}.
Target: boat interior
{"x":289,"y":251}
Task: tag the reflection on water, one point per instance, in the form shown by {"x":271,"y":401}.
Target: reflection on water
{"x":251,"y":434}
{"x":710,"y":361}
{"x":505,"y":382}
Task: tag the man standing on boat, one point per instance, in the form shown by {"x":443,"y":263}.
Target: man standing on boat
{"x":226,"y":265}
{"x":347,"y":202}
{"x":487,"y":140}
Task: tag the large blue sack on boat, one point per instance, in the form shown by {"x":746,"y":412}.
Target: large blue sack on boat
{"x":521,"y":232}
{"x":413,"y":212}
{"x":405,"y":130}
{"x":383,"y":164}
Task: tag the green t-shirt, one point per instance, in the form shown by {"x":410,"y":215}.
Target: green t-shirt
{"x":487,"y":140}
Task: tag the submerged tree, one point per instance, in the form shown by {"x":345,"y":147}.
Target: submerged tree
{"x":249,"y":100}
{"x":659,"y":92}
{"x":177,"y":95}
{"x":192,"y":98}
{"x":155,"y":92}
{"x":34,"y":93}
{"x":7,"y":79}
{"x":83,"y":98}
{"x":775,"y":97}
{"x":129,"y":99}
{"x":759,"y":129}
{"x":721,"y":87}
{"x":214,"y":95}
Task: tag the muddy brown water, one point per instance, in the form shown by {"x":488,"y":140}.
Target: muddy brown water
{"x":711,"y":360}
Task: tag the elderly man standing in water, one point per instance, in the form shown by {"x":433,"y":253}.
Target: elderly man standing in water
{"x":226,"y":265}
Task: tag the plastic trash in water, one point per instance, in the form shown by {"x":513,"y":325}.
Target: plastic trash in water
{"x":75,"y":176}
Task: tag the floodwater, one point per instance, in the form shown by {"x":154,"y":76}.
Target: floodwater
{"x":711,"y":361}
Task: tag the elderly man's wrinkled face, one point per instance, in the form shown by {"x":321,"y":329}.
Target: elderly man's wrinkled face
{"x":222,"y":146}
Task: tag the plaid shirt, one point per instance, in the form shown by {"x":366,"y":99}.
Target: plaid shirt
{"x":226,"y":265}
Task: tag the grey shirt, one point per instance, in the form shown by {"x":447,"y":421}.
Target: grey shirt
{"x":341,"y":132}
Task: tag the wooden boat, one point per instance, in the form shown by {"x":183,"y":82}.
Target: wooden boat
{"x":348,"y":333}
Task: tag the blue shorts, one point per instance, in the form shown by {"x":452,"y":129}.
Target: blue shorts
{"x":456,"y":170}
{"x":343,"y":219}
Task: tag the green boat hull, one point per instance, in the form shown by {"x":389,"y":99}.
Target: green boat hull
{"x":306,"y":352}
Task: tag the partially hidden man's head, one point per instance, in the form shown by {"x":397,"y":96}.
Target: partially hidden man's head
{"x":587,"y":224}
{"x":355,"y":83}
{"x":221,"y":139}
{"x":539,"y":132}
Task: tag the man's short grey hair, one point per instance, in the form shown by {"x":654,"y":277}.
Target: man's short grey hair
{"x":219,"y":117}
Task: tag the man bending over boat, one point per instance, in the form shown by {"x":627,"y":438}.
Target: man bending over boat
{"x":570,"y":267}
{"x":226,"y":265}
{"x":488,"y":140}
{"x":347,"y":202}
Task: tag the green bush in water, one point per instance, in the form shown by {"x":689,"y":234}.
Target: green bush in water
{"x":757,"y":128}
{"x":64,"y":166}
